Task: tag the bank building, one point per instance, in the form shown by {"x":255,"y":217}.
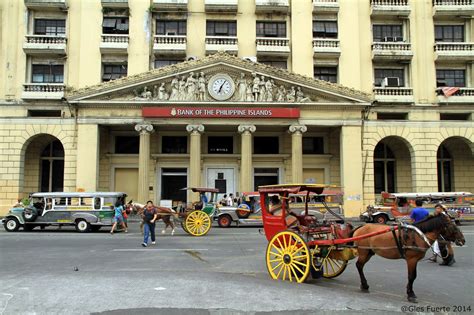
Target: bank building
{"x":150,"y":96}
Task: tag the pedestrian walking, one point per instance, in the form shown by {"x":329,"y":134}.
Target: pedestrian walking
{"x":149,"y":217}
{"x":118,"y":217}
{"x":230,"y":200}
{"x":441,"y":247}
{"x":418,"y":213}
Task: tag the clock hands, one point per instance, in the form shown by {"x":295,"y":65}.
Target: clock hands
{"x":220,"y":88}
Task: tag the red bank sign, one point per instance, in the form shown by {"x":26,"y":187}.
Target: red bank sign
{"x":220,"y":112}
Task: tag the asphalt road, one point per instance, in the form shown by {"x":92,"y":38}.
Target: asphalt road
{"x":220,"y":273}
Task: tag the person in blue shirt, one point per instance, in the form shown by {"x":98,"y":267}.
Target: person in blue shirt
{"x":118,"y":217}
{"x":419,"y":213}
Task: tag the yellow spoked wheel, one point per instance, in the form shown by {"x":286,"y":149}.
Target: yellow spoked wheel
{"x":333,"y":267}
{"x":288,"y":257}
{"x":197,"y":223}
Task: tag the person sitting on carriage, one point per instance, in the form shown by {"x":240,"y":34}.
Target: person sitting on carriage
{"x":441,"y":247}
{"x":275,"y":209}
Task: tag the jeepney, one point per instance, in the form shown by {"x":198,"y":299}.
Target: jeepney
{"x":248,"y":212}
{"x":87,"y":211}
{"x":399,"y":205}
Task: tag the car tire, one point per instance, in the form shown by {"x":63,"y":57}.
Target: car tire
{"x":224,"y":221}
{"x":380,"y":218}
{"x":11,"y":224}
{"x":29,"y":215}
{"x":82,"y":226}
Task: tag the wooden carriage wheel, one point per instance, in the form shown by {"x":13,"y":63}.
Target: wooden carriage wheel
{"x":197,"y":223}
{"x":331,"y":267}
{"x":288,"y":257}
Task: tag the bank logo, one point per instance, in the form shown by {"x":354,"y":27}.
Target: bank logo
{"x":173,"y":111}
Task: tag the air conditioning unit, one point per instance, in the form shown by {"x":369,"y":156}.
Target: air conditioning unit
{"x":250,"y":58}
{"x":191,"y":58}
{"x":391,"y":82}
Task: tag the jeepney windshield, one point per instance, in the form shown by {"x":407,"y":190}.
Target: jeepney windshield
{"x":37,"y":202}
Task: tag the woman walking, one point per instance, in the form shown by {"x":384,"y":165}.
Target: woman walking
{"x":118,"y":217}
{"x":149,"y":218}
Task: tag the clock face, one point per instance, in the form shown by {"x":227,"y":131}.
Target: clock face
{"x":221,"y":87}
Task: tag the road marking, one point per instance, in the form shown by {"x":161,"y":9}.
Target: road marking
{"x":158,"y":249}
{"x":10,"y":296}
{"x":159,"y":289}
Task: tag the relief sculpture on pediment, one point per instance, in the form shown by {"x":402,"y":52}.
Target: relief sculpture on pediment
{"x":193,"y":87}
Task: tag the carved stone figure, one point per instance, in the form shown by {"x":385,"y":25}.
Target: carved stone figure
{"x":155,"y":92}
{"x":182,"y":89}
{"x":174,"y":89}
{"x":242,"y":86}
{"x":269,"y":91}
{"x":300,"y":96}
{"x":191,"y":88}
{"x":201,"y":88}
{"x":290,"y":96}
{"x":249,"y":94}
{"x":162,"y":95}
{"x":263,"y":92}
{"x":146,"y":94}
{"x":281,"y":94}
{"x":255,"y":86}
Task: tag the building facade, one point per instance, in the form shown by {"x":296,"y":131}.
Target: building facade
{"x":150,"y":96}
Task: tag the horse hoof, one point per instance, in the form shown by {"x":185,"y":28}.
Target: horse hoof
{"x":412,"y":299}
{"x":163,"y":232}
{"x":172,"y":232}
{"x":364,"y":289}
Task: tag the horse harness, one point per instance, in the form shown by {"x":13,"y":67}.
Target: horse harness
{"x":400,"y":239}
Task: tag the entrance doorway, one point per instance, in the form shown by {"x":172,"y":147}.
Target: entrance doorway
{"x":172,"y":182}
{"x":126,"y":180}
{"x":265,"y":176}
{"x":223,"y":179}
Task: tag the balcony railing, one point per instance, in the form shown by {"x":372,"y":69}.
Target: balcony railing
{"x":172,"y":43}
{"x":45,"y":4}
{"x":225,"y":43}
{"x":391,"y":50}
{"x":321,"y":6}
{"x":453,"y":7}
{"x":273,"y":45}
{"x":454,"y":51}
{"x":463,"y":95}
{"x":326,"y":46}
{"x":170,"y":5}
{"x":394,"y":94}
{"x":271,"y":5}
{"x":390,"y":7}
{"x":45,"y":44}
{"x":114,"y":43}
{"x":115,"y":3}
{"x":43,"y":91}
{"x":221,"y":5}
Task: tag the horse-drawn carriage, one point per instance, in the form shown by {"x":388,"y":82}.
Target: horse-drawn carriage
{"x":300,"y":244}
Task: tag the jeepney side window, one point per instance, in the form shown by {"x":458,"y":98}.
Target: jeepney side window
{"x":61,"y":202}
{"x":75,"y":201}
{"x":87,"y":201}
{"x":49,"y":204}
{"x":109,"y":202}
{"x":97,"y":203}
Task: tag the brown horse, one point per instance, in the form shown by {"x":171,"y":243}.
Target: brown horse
{"x":408,"y":243}
{"x":163,"y":213}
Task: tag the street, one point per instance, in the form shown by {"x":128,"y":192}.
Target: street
{"x":64,"y":272}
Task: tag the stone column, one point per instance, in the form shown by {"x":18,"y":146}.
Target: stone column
{"x":195,"y":132}
{"x":246,"y":157}
{"x":351,"y":169}
{"x":297,"y":152}
{"x":145,"y":130}
{"x":87,"y":157}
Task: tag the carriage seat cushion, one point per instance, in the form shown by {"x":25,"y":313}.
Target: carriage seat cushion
{"x":290,"y":219}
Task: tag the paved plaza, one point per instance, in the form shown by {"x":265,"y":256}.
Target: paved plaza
{"x":64,"y":272}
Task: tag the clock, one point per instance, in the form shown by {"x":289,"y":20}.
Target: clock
{"x":221,"y":87}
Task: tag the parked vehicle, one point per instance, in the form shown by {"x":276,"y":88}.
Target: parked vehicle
{"x":399,"y":205}
{"x":248,"y":212}
{"x":85,"y":210}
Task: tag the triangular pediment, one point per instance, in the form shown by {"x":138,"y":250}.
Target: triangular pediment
{"x":194,"y":81}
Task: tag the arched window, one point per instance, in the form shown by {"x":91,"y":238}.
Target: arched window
{"x":52,"y":167}
{"x":384,"y":169}
{"x":445,"y":174}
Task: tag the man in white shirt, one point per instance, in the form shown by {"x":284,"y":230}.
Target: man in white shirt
{"x":230,"y":200}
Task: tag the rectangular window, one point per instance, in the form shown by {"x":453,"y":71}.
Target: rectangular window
{"x":127,"y":144}
{"x":454,"y":116}
{"x":326,"y":74}
{"x":115,"y":25}
{"x":47,"y":74}
{"x":450,"y":77}
{"x":271,"y":29}
{"x":266,"y":145}
{"x":49,"y":27}
{"x":173,"y":180}
{"x":171,"y":144}
{"x":324,"y":29}
{"x":313,"y":145}
{"x":113,"y":71}
{"x":170,"y":27}
{"x":449,"y":33}
{"x":221,"y":28}
{"x":380,"y":74}
{"x":282,"y":64}
{"x":265,"y":176}
{"x":392,"y":116}
{"x":220,"y":145}
{"x":44,"y":113}
{"x":387,"y":33}
{"x":166,"y":62}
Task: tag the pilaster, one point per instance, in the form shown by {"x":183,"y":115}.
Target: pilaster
{"x":195,"y":132}
{"x":145,"y":130}
{"x":296,"y":132}
{"x":87,"y":157}
{"x":246,"y":157}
